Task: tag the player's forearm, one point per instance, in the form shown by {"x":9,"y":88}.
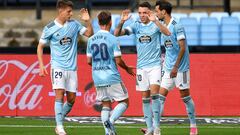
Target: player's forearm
{"x":121,"y":63}
{"x":181,"y":53}
{"x":162,"y":28}
{"x":89,"y":31}
{"x":118,"y":31}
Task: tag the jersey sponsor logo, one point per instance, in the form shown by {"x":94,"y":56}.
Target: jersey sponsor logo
{"x":168,"y":44}
{"x":66,"y":41}
{"x":145,"y":39}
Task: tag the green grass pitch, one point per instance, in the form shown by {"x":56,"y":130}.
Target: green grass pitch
{"x":30,"y":126}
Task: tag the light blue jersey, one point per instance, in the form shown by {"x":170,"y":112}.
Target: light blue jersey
{"x":172,"y":47}
{"x":103,"y":47}
{"x":63,"y":43}
{"x":148,"y":44}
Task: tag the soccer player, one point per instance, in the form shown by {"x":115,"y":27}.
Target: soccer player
{"x":62,"y":34}
{"x":103,"y":54}
{"x":176,"y":63}
{"x":147,"y":31}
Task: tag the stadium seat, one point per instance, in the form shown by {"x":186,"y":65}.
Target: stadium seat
{"x":236,"y":14}
{"x":198,"y":15}
{"x":209,"y":32}
{"x":135,"y":16}
{"x":114,"y":22}
{"x":230,"y":31}
{"x":219,"y":15}
{"x":179,"y":15}
{"x":127,"y":40}
{"x":191,"y":27}
{"x":95,"y":25}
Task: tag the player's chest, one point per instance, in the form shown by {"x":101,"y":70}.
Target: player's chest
{"x":146,"y":34}
{"x":65,"y":32}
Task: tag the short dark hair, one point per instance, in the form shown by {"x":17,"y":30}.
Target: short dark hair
{"x":64,"y":3}
{"x":145,"y":4}
{"x":104,"y":18}
{"x":164,"y":5}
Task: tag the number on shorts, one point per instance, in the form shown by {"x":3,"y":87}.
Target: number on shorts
{"x":139,"y":77}
{"x":58,"y":74}
{"x":102,"y":49}
{"x":163,"y":73}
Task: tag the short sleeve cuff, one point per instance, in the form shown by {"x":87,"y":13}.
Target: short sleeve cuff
{"x":180,"y":37}
{"x":89,"y":55}
{"x":83,"y":30}
{"x":43,"y":41}
{"x":116,"y":54}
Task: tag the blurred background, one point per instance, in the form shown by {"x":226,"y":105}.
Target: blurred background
{"x":212,"y":26}
{"x":213,"y":36}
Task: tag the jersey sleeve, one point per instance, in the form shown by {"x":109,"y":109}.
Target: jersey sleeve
{"x":180,"y":32}
{"x":88,"y":52}
{"x":81,"y":28}
{"x":130,"y":29}
{"x":46,"y":35}
{"x":116,"y":48}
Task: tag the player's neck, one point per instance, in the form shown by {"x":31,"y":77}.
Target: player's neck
{"x":167,"y":19}
{"x":61,"y":20}
{"x":104,"y":27}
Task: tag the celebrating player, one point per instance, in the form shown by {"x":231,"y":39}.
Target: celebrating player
{"x":176,"y":63}
{"x":147,"y":31}
{"x":103,"y":53}
{"x":62,"y":34}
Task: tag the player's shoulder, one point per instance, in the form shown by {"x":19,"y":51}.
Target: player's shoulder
{"x":50,"y":25}
{"x":175,"y":21}
{"x":73,"y":21}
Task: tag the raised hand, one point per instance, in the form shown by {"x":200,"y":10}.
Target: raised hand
{"x":152,"y":17}
{"x":125,"y":15}
{"x":84,"y":15}
{"x":43,"y":71}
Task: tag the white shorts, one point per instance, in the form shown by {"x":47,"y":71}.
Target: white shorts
{"x":116,"y":92}
{"x":182,"y":81}
{"x":147,"y":77}
{"x":62,"y":79}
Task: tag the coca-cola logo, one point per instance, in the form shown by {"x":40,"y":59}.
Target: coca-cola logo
{"x":24,"y":94}
{"x":90,"y":97}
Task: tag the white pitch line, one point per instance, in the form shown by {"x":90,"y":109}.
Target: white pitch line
{"x":118,"y":126}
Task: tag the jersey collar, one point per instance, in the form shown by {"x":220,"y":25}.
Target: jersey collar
{"x":60,"y":25}
{"x":146,"y":24}
{"x":170,"y":22}
{"x":104,"y":31}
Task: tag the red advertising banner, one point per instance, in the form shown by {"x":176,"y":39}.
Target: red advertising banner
{"x":214,"y":87}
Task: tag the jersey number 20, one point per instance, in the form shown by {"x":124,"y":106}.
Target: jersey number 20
{"x":102,"y":49}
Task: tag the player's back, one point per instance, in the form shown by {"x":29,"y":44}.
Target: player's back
{"x":103,"y":48}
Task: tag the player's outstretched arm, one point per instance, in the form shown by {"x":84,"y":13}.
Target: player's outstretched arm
{"x":84,"y":16}
{"x":42,"y":70}
{"x":122,"y":64}
{"x":152,"y":17}
{"x":124,"y":17}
